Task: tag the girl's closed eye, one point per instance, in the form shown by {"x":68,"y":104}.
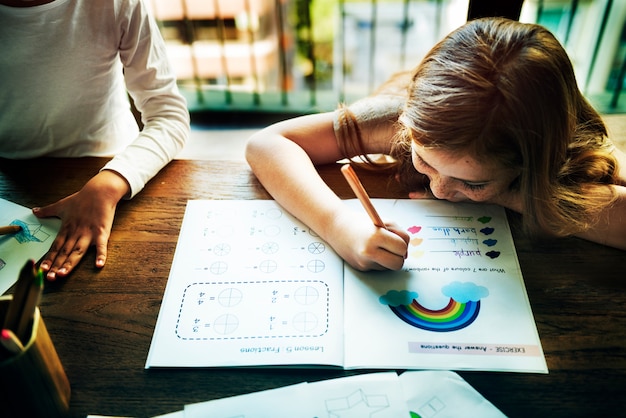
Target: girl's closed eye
{"x":469,"y":185}
{"x":474,"y":186}
{"x":417,"y":159}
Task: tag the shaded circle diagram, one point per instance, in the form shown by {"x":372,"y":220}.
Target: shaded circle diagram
{"x":306,"y":295}
{"x":316,"y":247}
{"x":226,"y":324}
{"x":305,"y":321}
{"x":316,"y":266}
{"x":230,"y":297}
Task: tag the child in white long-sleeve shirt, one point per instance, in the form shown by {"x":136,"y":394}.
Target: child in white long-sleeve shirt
{"x":66,"y":69}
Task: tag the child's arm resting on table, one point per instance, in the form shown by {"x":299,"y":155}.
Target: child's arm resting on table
{"x":283,"y":157}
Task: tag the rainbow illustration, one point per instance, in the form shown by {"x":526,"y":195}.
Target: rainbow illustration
{"x":452,"y":317}
{"x":462,"y":309}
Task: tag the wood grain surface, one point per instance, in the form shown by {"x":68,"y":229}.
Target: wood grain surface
{"x":101,"y":321}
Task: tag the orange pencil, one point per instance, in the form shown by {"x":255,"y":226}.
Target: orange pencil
{"x":359,"y":191}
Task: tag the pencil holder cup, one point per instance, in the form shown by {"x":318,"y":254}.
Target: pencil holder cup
{"x":33,"y":382}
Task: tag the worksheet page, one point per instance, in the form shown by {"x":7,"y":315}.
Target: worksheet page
{"x":249,"y":285}
{"x":458,"y":303}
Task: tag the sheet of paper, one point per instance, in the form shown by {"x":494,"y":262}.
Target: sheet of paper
{"x":249,"y":285}
{"x":362,"y":395}
{"x":286,"y":402}
{"x":459,"y":302}
{"x":32,"y":242}
{"x":444,"y":394}
{"x":367,"y":395}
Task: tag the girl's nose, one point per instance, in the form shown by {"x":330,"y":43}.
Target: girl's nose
{"x":442,"y":187}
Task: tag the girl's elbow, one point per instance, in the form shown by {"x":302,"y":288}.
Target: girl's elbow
{"x":255,"y":147}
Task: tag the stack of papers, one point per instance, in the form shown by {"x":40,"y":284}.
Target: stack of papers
{"x":414,"y":394}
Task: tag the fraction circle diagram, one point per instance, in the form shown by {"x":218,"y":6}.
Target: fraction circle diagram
{"x":219,"y":267}
{"x":273,"y":213}
{"x":221,"y":249}
{"x":230,"y":297}
{"x":270,"y":248}
{"x":226,"y":324}
{"x":305,"y":321}
{"x":317,"y":247}
{"x":268,"y":266}
{"x":306,"y":295}
{"x":316,"y":266}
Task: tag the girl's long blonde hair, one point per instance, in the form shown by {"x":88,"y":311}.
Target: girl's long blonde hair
{"x":505,"y":92}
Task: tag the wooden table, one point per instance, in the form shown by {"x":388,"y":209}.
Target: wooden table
{"x":102,"y":321}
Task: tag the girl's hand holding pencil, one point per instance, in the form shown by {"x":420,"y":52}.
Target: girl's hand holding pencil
{"x":377,"y":246}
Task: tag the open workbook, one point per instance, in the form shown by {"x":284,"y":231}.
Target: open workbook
{"x":252,"y":286}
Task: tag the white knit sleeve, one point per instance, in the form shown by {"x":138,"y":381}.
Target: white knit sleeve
{"x":152,"y":85}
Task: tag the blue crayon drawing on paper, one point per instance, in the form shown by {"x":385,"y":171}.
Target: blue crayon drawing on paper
{"x":29,"y":233}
